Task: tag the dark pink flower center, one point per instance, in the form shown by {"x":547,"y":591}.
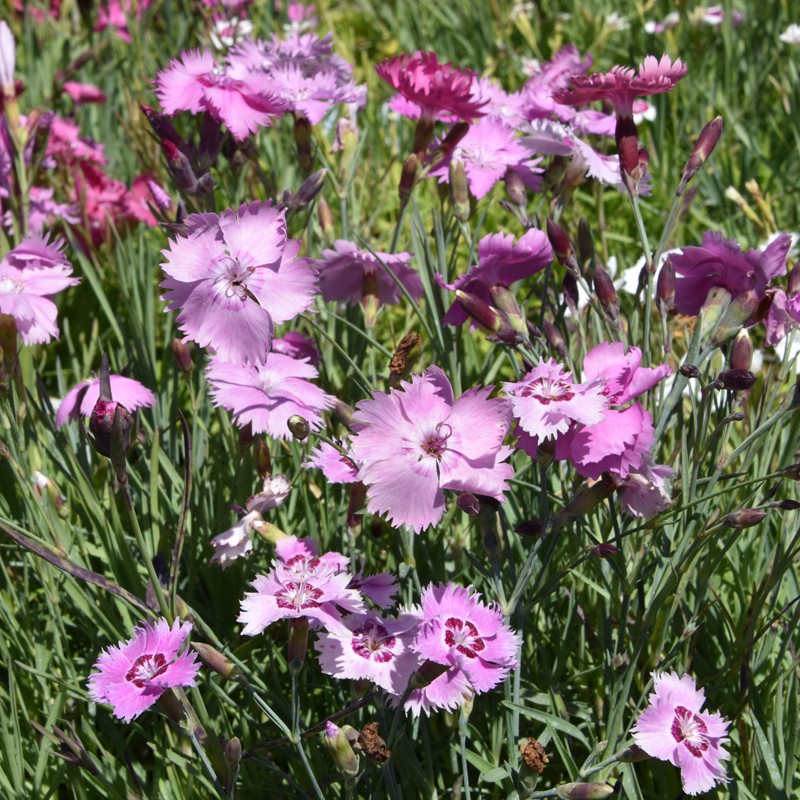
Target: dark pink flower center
{"x":145,"y":668}
{"x":373,"y":643}
{"x":691,"y":730}
{"x":463,"y":635}
{"x":436,"y":443}
{"x":298,"y":596}
{"x":549,"y":390}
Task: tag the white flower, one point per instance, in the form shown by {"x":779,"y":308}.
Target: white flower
{"x":791,"y":35}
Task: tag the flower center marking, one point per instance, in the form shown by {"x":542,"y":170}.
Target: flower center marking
{"x":373,"y":643}
{"x":463,"y":635}
{"x":145,"y":668}
{"x":691,"y":730}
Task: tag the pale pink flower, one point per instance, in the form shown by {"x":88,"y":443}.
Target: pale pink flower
{"x":622,"y":85}
{"x":348,"y":273}
{"x":335,"y":465}
{"x":547,"y":401}
{"x":617,"y":368}
{"x":266,"y":395}
{"x":371,"y":648}
{"x":418,"y":440}
{"x":81,"y":399}
{"x":315,"y":588}
{"x":551,"y":76}
{"x":721,"y":262}
{"x":436,"y":88}
{"x":114,"y":14}
{"x":488,"y":150}
{"x":273,"y":494}
{"x":244,"y":101}
{"x":84,"y":93}
{"x":645,"y":491}
{"x":288,"y":548}
{"x":675,"y":728}
{"x":501,"y":262}
{"x":500,"y":105}
{"x":234,"y":277}
{"x":236,"y":542}
{"x":132,"y":675}
{"x":297,"y":345}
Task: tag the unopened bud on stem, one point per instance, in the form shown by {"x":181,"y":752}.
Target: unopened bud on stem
{"x":703,"y":148}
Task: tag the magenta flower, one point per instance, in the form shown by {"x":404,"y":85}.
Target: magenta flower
{"x":415,"y":442}
{"x":84,"y":93}
{"x":436,"y":88}
{"x":675,"y":728}
{"x":721,"y":262}
{"x":30,"y":275}
{"x":196,"y":83}
{"x":349,"y":274}
{"x":264,"y":396}
{"x":616,"y":367}
{"x":488,"y":150}
{"x":371,"y":648}
{"x":335,"y":466}
{"x":234,"y":277}
{"x":315,"y":588}
{"x":459,"y":630}
{"x":622,"y":85}
{"x":297,"y":345}
{"x":501,"y":262}
{"x":553,"y":75}
{"x":547,"y":401}
{"x":133,"y":675}
{"x":80,"y":400}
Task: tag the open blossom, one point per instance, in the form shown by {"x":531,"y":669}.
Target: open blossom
{"x":30,"y":275}
{"x":80,"y":400}
{"x":316,"y":588}
{"x":236,"y":542}
{"x":501,"y":262}
{"x":622,"y":85}
{"x":416,"y":441}
{"x":618,"y":368}
{"x":335,"y":465}
{"x":721,"y":262}
{"x":435,"y":88}
{"x":791,"y":35}
{"x":297,"y":345}
{"x":550,"y":77}
{"x":645,"y":491}
{"x":132,"y":675}
{"x":547,"y":401}
{"x":350,"y":274}
{"x":234,"y":277}
{"x":462,"y":632}
{"x":371,"y":648}
{"x":675,"y":728}
{"x":488,"y":150}
{"x":266,"y":395}
{"x":196,"y":83}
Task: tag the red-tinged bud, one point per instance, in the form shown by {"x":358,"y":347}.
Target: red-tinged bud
{"x":716,"y":304}
{"x":745,"y":518}
{"x":554,"y":338}
{"x":584,"y":791}
{"x":737,"y":380}
{"x":785,"y":505}
{"x":180,"y":168}
{"x":735,"y":315}
{"x":233,"y":752}
{"x":110,"y":423}
{"x":703,"y":148}
{"x":298,"y":427}
{"x":325,"y":216}
{"x":164,"y":129}
{"x":627,"y":137}
{"x":665,"y":286}
{"x":214,"y":660}
{"x":585,"y":242}
{"x":585,"y":501}
{"x":606,"y":293}
{"x":569,"y":287}
{"x":506,"y":303}
{"x":530,"y":528}
{"x":449,"y":143}
{"x":459,"y":189}
{"x":562,"y":246}
{"x":423,"y":134}
{"x":298,"y":644}
{"x":605,"y":550}
{"x":370,"y":291}
{"x":742,"y":351}
{"x":356,"y":502}
{"x":689,"y":371}
{"x":302,"y":142}
{"x":338,"y":744}
{"x":469,"y":504}
{"x":427,"y":674}
{"x":183,"y":358}
{"x":408,"y":177}
{"x":480,"y":311}
{"x":632,"y":755}
{"x":310,"y":188}
{"x":263,"y":458}
{"x":343,"y":412}
{"x":515,"y":188}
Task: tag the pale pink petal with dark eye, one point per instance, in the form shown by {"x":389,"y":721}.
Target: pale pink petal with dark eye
{"x":448,"y":691}
{"x":335,"y":466}
{"x":699,"y":774}
{"x":255,"y":233}
{"x":190,"y":258}
{"x":679,"y":690}
{"x":258,"y":612}
{"x":46,"y":281}
{"x":478,"y":424}
{"x":34,"y":316}
{"x":652,"y":731}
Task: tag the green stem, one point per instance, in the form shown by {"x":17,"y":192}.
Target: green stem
{"x":648,"y":299}
{"x":298,"y":739}
{"x":462,"y":733}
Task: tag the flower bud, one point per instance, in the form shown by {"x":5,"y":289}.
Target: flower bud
{"x":530,"y":527}
{"x":310,"y":188}
{"x":569,"y":287}
{"x":689,"y":371}
{"x":338,"y":745}
{"x":716,"y":304}
{"x":734,"y":316}
{"x":407,"y":178}
{"x":562,"y":246}
{"x":515,"y":188}
{"x":268,"y":532}
{"x":665,"y":286}
{"x":110,"y":423}
{"x":298,"y":644}
{"x":742,"y":351}
{"x":584,"y":791}
{"x":233,"y":752}
{"x":605,"y":550}
{"x":426,"y":674}
{"x":298,"y":427}
{"x":706,"y":142}
{"x":737,"y":380}
{"x":505,"y":301}
{"x":325,"y":216}
{"x":302,"y":141}
{"x":449,"y":143}
{"x":164,"y":129}
{"x":459,"y":189}
{"x":214,"y":660}
{"x":632,"y":754}
{"x":606,"y":293}
{"x":480,"y":311}
{"x":627,"y":137}
{"x":745,"y":518}
{"x":183,"y":358}
{"x":785,"y":505}
{"x":585,"y":242}
{"x":423,"y":134}
{"x":554,"y":338}
{"x":469,"y":504}
{"x":585,"y":501}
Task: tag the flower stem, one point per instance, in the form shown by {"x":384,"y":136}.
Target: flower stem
{"x":462,"y":733}
{"x":298,"y":739}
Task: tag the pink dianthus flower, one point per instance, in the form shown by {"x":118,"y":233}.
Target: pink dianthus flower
{"x":675,"y":728}
{"x":235,"y":276}
{"x":133,"y":675}
{"x":416,"y":441}
{"x":80,"y":400}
